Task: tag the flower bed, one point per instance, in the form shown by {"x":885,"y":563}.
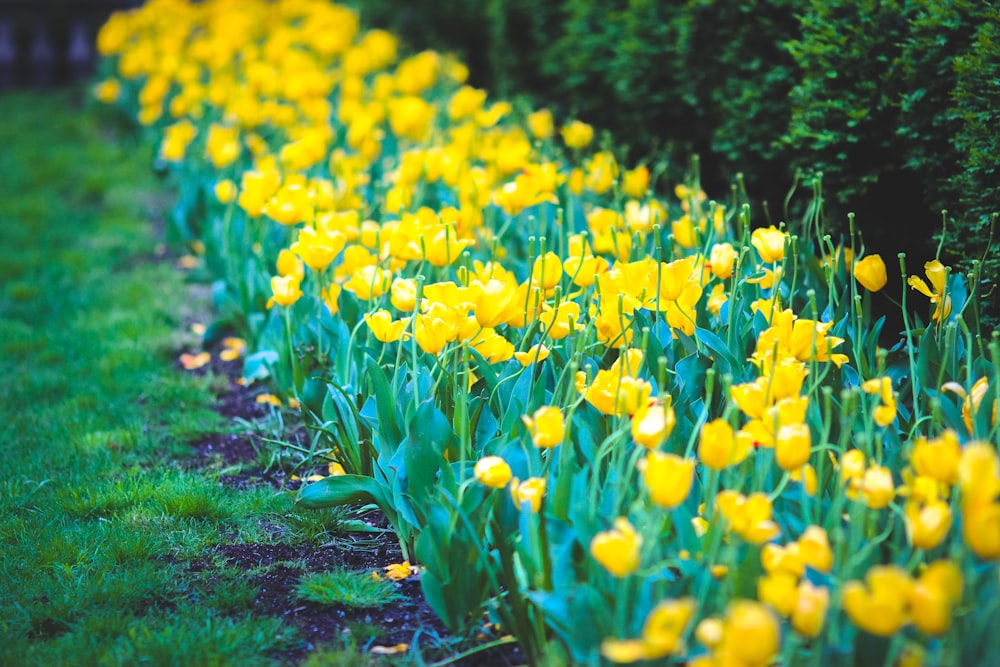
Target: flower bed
{"x":620,"y":425}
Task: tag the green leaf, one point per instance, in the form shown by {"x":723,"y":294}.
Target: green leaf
{"x":342,"y":490}
{"x":385,"y":404}
{"x":722,"y":356}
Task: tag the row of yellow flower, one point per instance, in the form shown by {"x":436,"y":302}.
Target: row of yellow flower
{"x":456,"y":235}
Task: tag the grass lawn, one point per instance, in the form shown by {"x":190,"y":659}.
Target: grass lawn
{"x":115,"y":548}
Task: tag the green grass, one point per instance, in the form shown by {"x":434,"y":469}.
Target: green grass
{"x":347,"y":588}
{"x":98,"y":516}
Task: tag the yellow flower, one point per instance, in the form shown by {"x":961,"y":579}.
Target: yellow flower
{"x":928,"y":524}
{"x":751,"y":634}
{"x":979,"y":473}
{"x":192,"y":361}
{"x":383,"y":328}
{"x":719,"y":447}
{"x":937,"y":275}
{"x":495,"y":302}
{"x":661,"y":634}
{"x":286,"y":290}
{"x":492,"y":471}
{"x":368,"y":282}
{"x":433,"y":333}
{"x":400,"y":571}
{"x":877,"y":487}
{"x":880,"y":607}
{"x":721,"y":260}
{"x":972,"y":401}
{"x":806,"y":475}
{"x":290,"y":265}
{"x":870,"y":272}
{"x":617,"y":549}
{"x":636,"y":182}
{"x":530,"y":491}
{"x":404,"y":294}
{"x":770,"y":243}
{"x":793,"y":446}
{"x":748,"y":516}
{"x":936,"y":592}
{"x":981,"y":528}
{"x":810,"y":609}
{"x":885,"y":413}
{"x":779,"y":590}
{"x":668,"y":477}
{"x":233,"y":348}
{"x":652,"y":426}
{"x":225,"y":191}
{"x":546,"y":426}
{"x":331,"y":295}
{"x":541,"y":125}
{"x":577,"y":134}
{"x":318,"y":249}
{"x":814,"y":549}
{"x":108,"y":91}
{"x":547,"y":271}
{"x":536,"y":353}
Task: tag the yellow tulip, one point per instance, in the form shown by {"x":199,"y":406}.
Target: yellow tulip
{"x":810,"y":609}
{"x":770,"y":243}
{"x":793,"y":446}
{"x":750,"y":634}
{"x":719,"y":447}
{"x":286,"y":290}
{"x":540,"y":124}
{"x":721,"y":260}
{"x":934,"y":595}
{"x":546,"y":426}
{"x":877,"y":487}
{"x":383,"y":328}
{"x":536,"y":353}
{"x":780,"y":591}
{"x":492,"y":471}
{"x":661,"y":634}
{"x":748,"y":516}
{"x":577,"y":134}
{"x":936,"y":273}
{"x":652,"y":426}
{"x":617,"y":549}
{"x":870,"y":272}
{"x":668,"y":477}
{"x":530,"y":491}
{"x":635,"y":182}
{"x":880,"y":607}
{"x":814,"y":549}
{"x":928,"y":524}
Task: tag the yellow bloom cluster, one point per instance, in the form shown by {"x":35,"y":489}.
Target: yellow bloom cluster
{"x":535,"y":278}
